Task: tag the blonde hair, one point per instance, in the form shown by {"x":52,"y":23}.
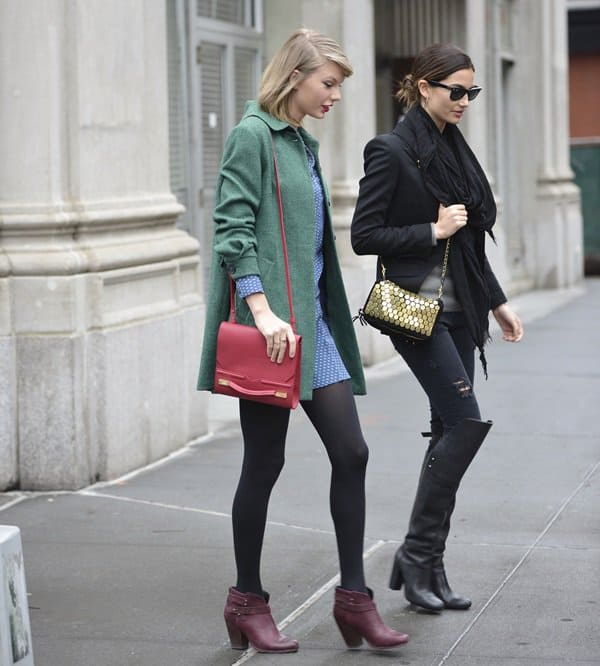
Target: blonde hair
{"x":304,"y":51}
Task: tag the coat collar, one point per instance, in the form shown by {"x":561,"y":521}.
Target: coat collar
{"x":253,"y":109}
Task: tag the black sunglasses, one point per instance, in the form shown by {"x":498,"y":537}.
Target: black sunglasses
{"x":457,"y":92}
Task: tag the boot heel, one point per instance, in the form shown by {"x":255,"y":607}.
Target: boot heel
{"x":237,"y":639}
{"x":352,"y":638}
{"x":249,"y":622}
{"x":396,"y":579}
{"x":356,"y":616}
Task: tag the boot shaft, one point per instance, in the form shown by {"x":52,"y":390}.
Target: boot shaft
{"x":246,"y":603}
{"x":451,"y":456}
{"x":434,"y":502}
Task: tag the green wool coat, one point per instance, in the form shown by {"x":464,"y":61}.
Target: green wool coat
{"x":247,"y":241}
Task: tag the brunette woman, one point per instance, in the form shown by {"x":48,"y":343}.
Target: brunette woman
{"x":424,"y":188}
{"x":303,"y":79}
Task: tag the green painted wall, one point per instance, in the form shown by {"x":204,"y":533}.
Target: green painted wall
{"x":585,"y":162}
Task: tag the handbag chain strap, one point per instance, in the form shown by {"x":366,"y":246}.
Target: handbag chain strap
{"x":285,"y":253}
{"x":444,"y":268}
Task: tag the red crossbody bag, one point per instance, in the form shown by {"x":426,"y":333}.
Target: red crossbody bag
{"x":243,"y":369}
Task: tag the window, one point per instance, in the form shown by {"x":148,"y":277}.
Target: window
{"x":178,"y":125}
{"x":239,"y":12}
{"x":210,"y":58}
{"x":246,"y":77}
{"x":213,"y":54}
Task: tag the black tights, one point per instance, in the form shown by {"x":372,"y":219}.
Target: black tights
{"x":332,"y":411}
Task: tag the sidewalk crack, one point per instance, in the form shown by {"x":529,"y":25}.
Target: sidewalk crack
{"x":518,"y":565}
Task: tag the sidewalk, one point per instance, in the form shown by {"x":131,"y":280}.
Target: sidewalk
{"x":135,"y":572}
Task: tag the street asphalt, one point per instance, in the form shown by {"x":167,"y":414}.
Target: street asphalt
{"x":135,"y":572}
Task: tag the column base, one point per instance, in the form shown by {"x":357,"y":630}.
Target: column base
{"x":559,"y":237}
{"x":105,"y":365}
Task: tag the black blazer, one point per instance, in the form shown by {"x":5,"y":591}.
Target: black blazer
{"x":394,"y":212}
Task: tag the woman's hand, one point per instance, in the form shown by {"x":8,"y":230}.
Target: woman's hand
{"x":278,"y":333}
{"x":450,"y":220}
{"x":512,"y":329}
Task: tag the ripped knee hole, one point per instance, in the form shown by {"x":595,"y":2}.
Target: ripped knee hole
{"x":463,"y":387}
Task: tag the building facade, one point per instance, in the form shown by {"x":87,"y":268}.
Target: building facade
{"x":117,"y":111}
{"x":518,"y":126}
{"x":584,"y":101}
{"x":100,"y":293}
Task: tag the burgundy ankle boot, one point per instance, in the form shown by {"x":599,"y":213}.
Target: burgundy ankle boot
{"x":357,"y":618}
{"x":249,"y":620}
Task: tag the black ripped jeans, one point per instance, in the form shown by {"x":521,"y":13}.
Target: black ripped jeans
{"x":444,"y":366}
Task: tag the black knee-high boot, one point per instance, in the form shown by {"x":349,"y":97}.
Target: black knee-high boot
{"x":414,"y":563}
{"x":440,"y":585}
{"x":417,"y":579}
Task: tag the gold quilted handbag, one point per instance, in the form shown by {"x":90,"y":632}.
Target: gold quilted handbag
{"x":394,"y":310}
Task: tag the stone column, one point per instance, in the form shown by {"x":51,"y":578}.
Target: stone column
{"x":475,"y":126}
{"x":559,"y":234}
{"x":343,"y":135}
{"x":100,"y":313}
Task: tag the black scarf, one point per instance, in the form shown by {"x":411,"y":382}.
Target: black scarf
{"x":453,"y":175}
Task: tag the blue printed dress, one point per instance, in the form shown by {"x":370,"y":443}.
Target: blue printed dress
{"x":329,"y":367}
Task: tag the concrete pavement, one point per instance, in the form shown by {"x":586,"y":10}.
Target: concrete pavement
{"x":136,"y":571}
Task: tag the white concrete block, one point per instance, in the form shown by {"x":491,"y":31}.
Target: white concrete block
{"x":16,"y":647}
{"x":48,"y":305}
{"x":53,"y":450}
{"x":196,"y":404}
{"x":142,"y":398}
{"x":8,"y":414}
{"x":5,"y":319}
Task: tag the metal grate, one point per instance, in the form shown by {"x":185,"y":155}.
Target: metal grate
{"x":245,"y":78}
{"x":239,"y":12}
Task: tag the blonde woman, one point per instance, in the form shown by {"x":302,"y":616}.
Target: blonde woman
{"x":303,"y":79}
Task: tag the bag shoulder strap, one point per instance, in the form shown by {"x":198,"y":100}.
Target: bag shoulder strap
{"x":288,"y":282}
{"x":283,"y":246}
{"x":444,"y":267}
